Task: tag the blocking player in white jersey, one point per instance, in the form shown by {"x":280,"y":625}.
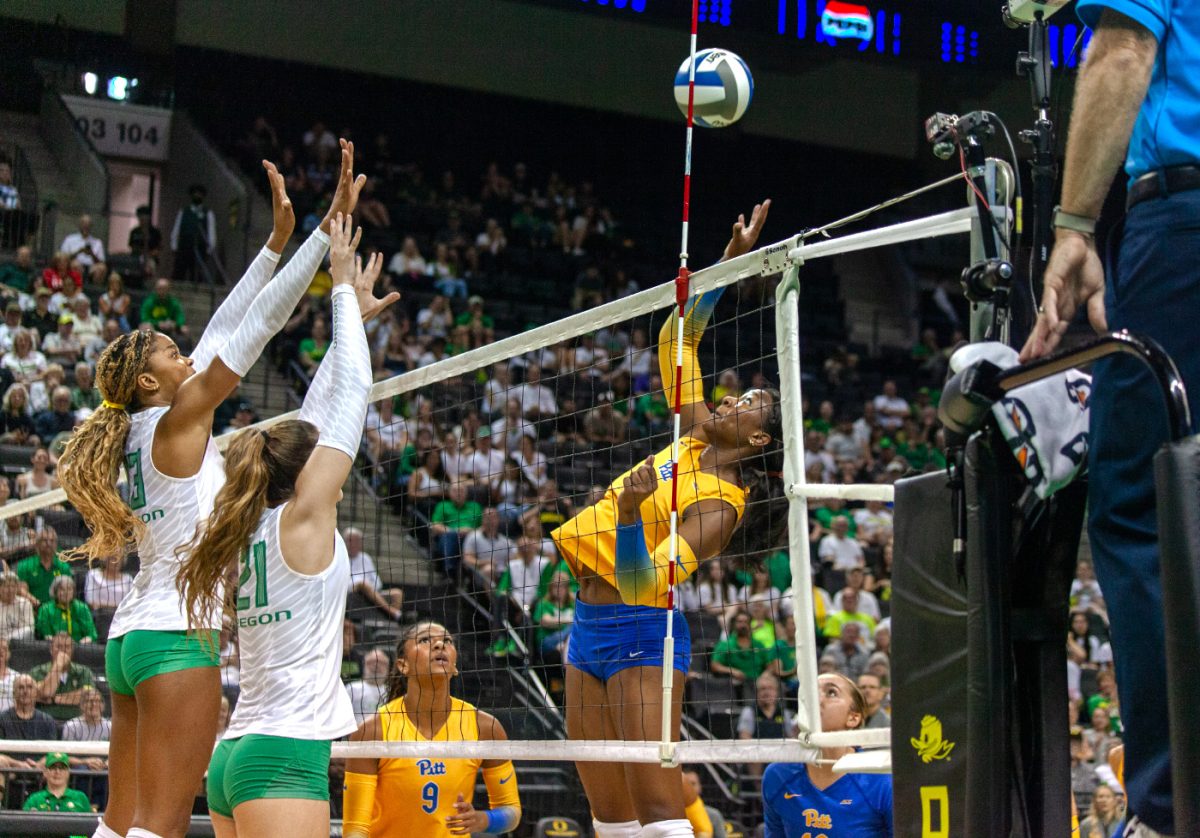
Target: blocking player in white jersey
{"x":276,"y":517}
{"x":156,"y":420}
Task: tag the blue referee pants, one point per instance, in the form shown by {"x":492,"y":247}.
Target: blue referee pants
{"x":1154,"y":290}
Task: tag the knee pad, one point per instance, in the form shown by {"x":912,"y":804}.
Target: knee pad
{"x":627,"y":829}
{"x":677,"y":828}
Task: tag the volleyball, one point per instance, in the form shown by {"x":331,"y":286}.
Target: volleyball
{"x":724,"y":88}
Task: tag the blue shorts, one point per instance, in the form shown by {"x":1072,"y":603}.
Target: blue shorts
{"x":608,"y":638}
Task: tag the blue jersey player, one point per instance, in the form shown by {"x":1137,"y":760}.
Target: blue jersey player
{"x":811,"y":801}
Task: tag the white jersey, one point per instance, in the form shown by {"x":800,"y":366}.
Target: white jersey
{"x":290,"y":635}
{"x":170,"y":507}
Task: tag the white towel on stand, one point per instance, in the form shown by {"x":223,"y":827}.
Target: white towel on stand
{"x":1044,"y":423}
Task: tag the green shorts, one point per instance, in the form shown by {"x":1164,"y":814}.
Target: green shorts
{"x":134,"y":657}
{"x":254,"y":767}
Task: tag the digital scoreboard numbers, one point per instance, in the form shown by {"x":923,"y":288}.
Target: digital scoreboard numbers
{"x":939,"y":31}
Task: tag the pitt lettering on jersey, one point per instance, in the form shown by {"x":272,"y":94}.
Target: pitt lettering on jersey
{"x":429,"y":768}
{"x":264,"y":619}
{"x":815,"y":819}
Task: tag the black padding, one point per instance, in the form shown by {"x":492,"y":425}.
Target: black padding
{"x":1177,"y":482}
{"x":929,"y":663}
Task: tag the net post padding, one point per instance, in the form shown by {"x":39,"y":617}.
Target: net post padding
{"x":885,"y":492}
{"x":787,"y":339}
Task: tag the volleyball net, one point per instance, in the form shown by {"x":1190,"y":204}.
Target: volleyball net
{"x":471,"y":460}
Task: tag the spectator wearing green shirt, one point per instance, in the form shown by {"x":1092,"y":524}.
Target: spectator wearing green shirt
{"x":40,"y":569}
{"x":60,"y":682}
{"x":739,"y":655}
{"x":480,"y":326}
{"x":452,"y":521}
{"x":84,"y":393}
{"x":779,"y":568}
{"x":835,"y":508}
{"x":762,"y":623}
{"x":57,"y":796}
{"x":553,"y":615}
{"x":19,"y":275}
{"x":785,"y":650}
{"x":64,"y":613}
{"x":163,"y":311}
{"x":849,"y":613}
{"x":312,"y":349}
{"x":651,"y":413}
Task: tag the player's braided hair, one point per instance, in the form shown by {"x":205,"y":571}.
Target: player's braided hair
{"x":89,"y":467}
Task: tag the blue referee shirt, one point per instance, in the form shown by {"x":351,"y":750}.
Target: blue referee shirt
{"x":855,"y":806}
{"x":1167,"y":131}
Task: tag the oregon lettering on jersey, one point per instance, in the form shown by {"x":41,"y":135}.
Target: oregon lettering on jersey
{"x":291,"y":641}
{"x":264,"y":619}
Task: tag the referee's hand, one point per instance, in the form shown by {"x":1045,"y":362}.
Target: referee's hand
{"x":1074,"y":276}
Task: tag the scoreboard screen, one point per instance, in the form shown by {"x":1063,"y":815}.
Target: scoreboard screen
{"x":922,"y":31}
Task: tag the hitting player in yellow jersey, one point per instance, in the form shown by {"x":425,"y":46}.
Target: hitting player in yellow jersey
{"x":427,"y":797}
{"x":620,"y":550}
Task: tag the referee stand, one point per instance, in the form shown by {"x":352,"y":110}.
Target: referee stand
{"x":979,"y":742}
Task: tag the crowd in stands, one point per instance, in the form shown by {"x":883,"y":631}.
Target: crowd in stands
{"x":481,"y":467}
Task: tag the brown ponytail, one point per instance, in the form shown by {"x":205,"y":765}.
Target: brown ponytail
{"x":261,"y":467}
{"x":91,"y":463}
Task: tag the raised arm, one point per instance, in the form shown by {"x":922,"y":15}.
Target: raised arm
{"x":337,"y":404}
{"x":229,"y":314}
{"x":191,"y":412}
{"x":694,"y":411}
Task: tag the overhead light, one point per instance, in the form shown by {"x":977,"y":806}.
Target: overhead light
{"x":89,"y":83}
{"x":120,"y":87}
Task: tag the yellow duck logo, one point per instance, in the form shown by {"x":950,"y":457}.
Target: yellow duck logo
{"x":930,"y":745}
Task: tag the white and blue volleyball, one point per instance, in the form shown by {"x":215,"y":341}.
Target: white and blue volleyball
{"x":724,"y":88}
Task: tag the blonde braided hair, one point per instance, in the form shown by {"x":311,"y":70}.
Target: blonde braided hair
{"x":91,"y":463}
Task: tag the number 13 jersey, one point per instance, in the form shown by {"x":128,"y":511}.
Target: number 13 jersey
{"x":170,"y":507}
{"x":289,"y":627}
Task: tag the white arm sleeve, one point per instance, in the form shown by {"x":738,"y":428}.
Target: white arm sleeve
{"x":273,"y":306}
{"x":229,"y":314}
{"x":336,"y":401}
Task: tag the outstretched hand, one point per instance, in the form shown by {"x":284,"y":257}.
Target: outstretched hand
{"x":345,"y":197}
{"x":364,"y":288}
{"x":343,"y":242}
{"x":745,"y":236}
{"x":282,"y":215}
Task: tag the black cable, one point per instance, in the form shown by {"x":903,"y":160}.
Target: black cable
{"x":1015,"y":244}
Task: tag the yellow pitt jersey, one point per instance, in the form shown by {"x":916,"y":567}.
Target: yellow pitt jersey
{"x":413,"y":797}
{"x":589,"y":540}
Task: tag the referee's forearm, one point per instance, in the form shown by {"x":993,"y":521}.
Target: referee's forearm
{"x":1108,"y":95}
